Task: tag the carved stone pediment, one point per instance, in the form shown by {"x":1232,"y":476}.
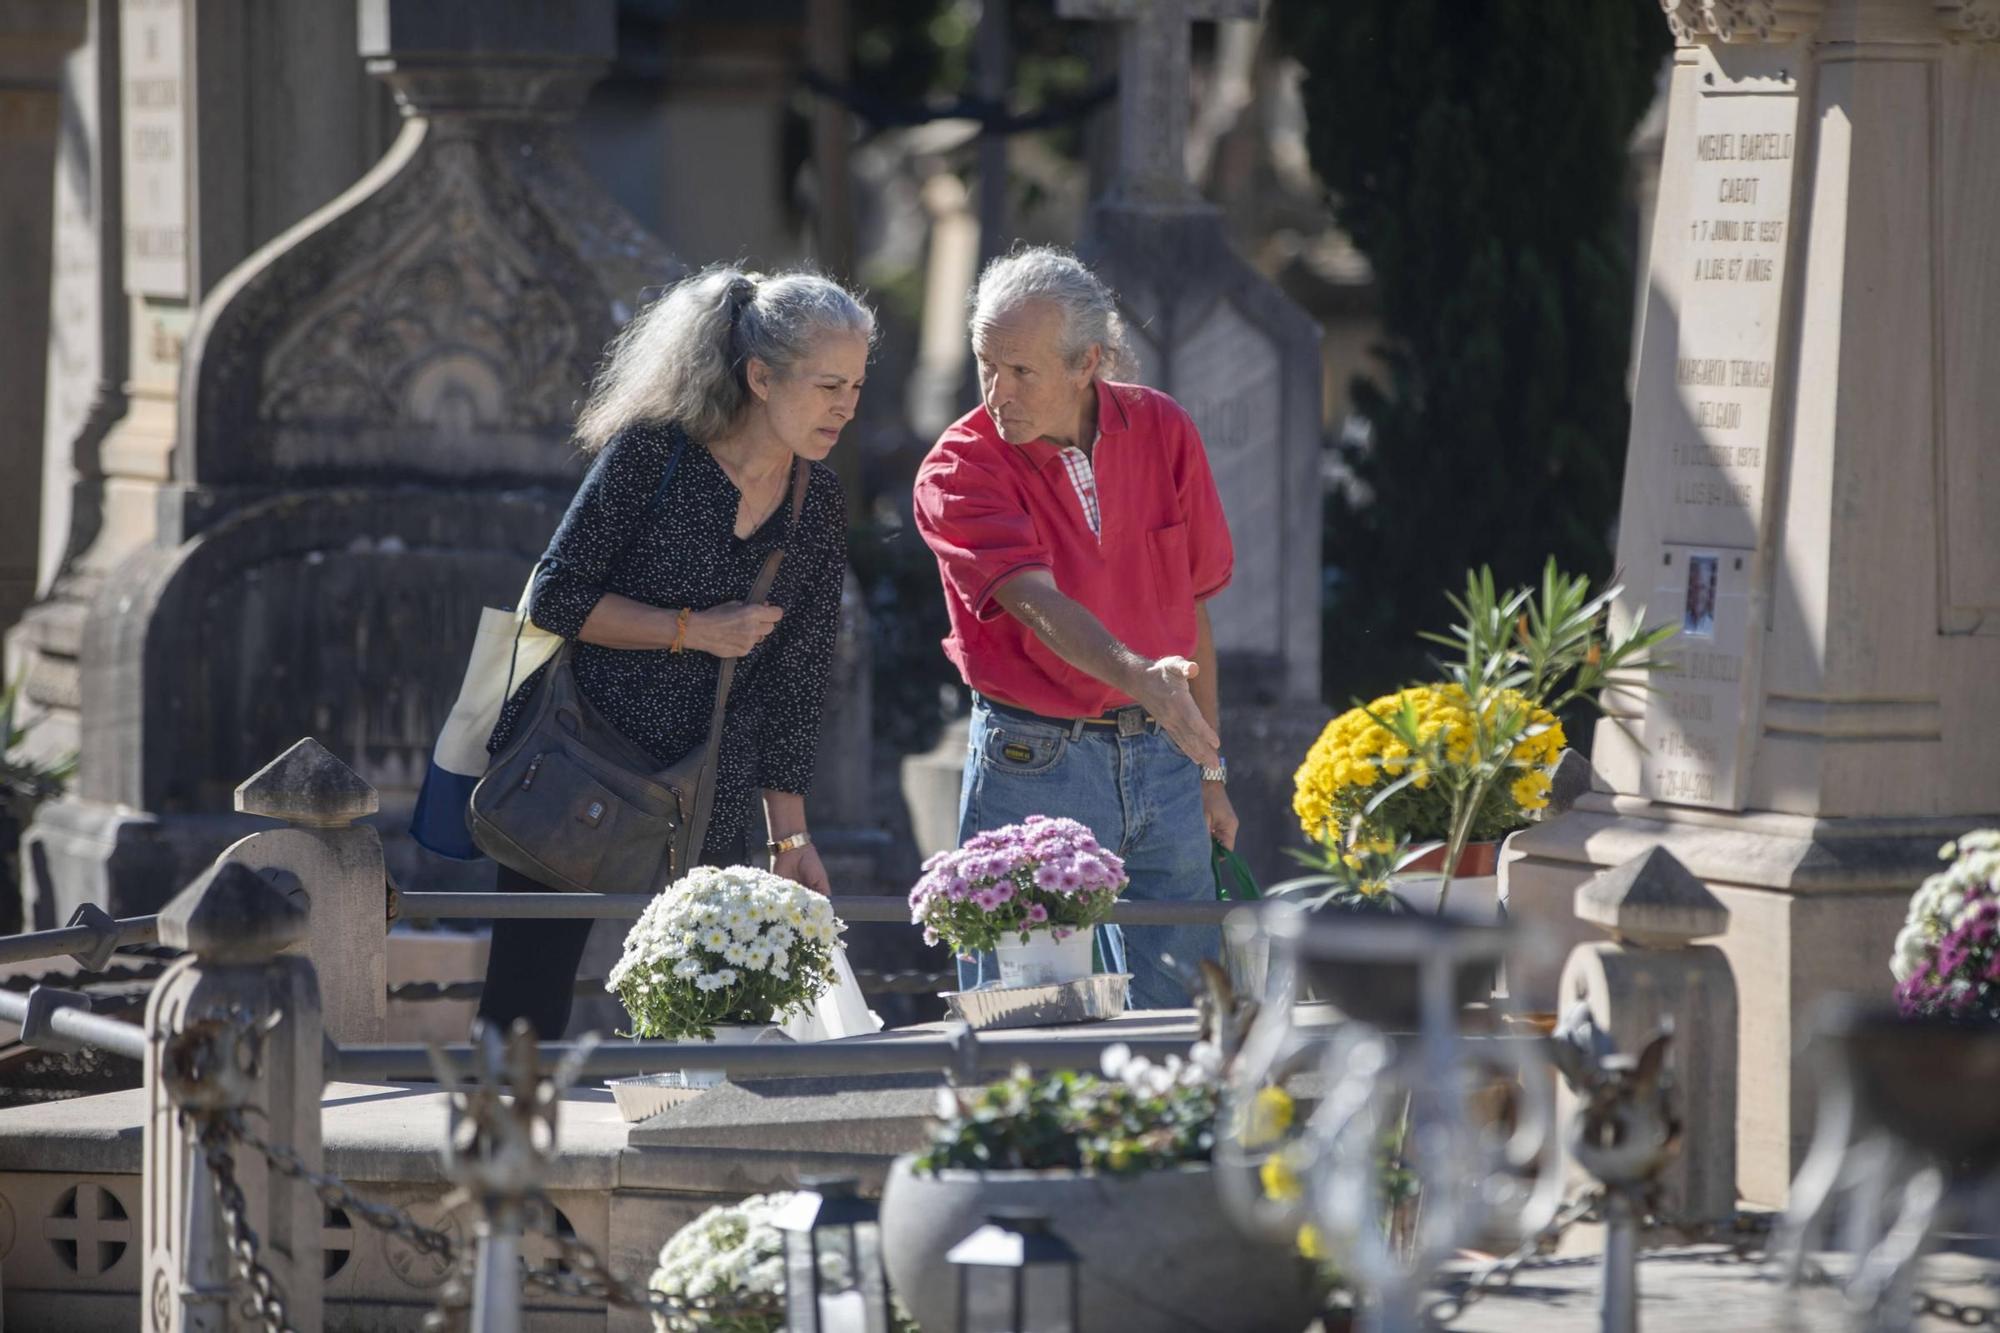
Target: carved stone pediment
{"x":1978,"y":20}
{"x":1742,"y":20}
{"x":438,"y":322}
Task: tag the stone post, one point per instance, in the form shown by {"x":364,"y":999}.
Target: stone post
{"x":236,"y":926}
{"x":1650,"y":974}
{"x":340,"y":873}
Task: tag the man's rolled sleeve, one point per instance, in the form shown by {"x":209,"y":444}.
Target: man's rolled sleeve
{"x":981,"y":533}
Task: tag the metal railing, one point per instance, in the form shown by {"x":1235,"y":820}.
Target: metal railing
{"x":61,"y":1020}
{"x":91,"y":937}
{"x":857,"y":908}
{"x":961,"y":1054}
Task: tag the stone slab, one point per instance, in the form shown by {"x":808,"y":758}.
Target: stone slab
{"x":1695,"y":1290}
{"x":884,"y":1114}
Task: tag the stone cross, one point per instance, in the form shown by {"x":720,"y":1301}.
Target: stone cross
{"x":1153,"y":50}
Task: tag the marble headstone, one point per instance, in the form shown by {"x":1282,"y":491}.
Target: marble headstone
{"x":1808,"y":498}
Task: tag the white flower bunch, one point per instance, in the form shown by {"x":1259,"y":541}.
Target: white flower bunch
{"x":1202,"y":1068}
{"x":1948,"y":900}
{"x":729,"y":1264}
{"x":725,"y":945}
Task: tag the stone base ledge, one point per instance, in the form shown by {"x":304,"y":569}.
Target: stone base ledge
{"x":1753,"y":849}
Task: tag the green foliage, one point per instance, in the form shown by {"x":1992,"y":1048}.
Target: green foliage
{"x":1154,"y":1117}
{"x":1476,"y":152}
{"x":25,"y":783}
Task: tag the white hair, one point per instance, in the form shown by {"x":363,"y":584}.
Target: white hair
{"x":683,"y":358}
{"x":1045,"y":273}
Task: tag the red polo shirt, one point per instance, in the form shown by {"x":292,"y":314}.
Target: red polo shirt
{"x":990,"y":510}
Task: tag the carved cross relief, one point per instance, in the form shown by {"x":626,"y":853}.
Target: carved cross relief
{"x":1153,"y":46}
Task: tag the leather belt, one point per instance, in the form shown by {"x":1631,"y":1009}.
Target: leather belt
{"x":1131,"y":720}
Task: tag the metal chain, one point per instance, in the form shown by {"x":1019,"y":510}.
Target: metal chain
{"x":580,"y":1272}
{"x":336,"y":1193}
{"x":1966,"y":1316}
{"x":261,"y":1302}
{"x":1500,"y":1274}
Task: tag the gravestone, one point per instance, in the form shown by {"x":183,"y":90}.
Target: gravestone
{"x":1810,"y":479}
{"x":35,"y":41}
{"x":1244,"y":361}
{"x":371,"y":442}
{"x":185,"y":177}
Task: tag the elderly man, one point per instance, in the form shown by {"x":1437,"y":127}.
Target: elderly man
{"x":1079,"y":536}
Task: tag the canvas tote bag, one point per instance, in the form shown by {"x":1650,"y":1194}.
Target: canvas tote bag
{"x":507,"y":648}
{"x":573,"y":804}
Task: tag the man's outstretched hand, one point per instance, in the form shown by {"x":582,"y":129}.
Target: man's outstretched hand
{"x":1163,"y":692}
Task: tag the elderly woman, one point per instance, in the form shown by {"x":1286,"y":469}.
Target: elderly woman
{"x":737,"y":376}
{"x":1080,"y":538}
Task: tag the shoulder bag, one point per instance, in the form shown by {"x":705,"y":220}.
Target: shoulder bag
{"x":573,"y":804}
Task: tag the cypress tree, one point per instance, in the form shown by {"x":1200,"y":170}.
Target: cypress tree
{"x":1476,"y":152}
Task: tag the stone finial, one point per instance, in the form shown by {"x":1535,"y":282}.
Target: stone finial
{"x":308,"y":784}
{"x":232,"y":914}
{"x":1573,"y":777}
{"x":1652,"y":901}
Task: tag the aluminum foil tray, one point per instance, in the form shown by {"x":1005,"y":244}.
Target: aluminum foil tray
{"x":1090,"y":1000}
{"x":649,"y":1094}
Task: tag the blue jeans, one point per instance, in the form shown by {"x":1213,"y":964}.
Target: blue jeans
{"x":1138,"y":794}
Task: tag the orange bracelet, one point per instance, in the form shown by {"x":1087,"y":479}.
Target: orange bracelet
{"x":681,"y":628}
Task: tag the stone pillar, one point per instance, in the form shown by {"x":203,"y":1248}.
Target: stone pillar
{"x":229,"y":120}
{"x":1245,"y":363}
{"x":1808,"y":494}
{"x":235,"y":926}
{"x":1652,"y":973}
{"x":338,"y":866}
{"x":35,"y":39}
{"x":85,"y":366}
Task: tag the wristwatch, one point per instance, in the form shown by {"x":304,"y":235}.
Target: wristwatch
{"x":790,"y":844}
{"x":1218,"y":773}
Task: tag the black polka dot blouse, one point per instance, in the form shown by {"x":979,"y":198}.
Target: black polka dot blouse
{"x":684,"y":551}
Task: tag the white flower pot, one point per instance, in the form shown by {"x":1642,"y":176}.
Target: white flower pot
{"x":1044,"y":960}
{"x":649,"y":1094}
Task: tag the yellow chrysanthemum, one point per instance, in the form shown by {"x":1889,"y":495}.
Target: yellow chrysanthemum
{"x":1270,"y":1116}
{"x":1311,"y":1244}
{"x":1279,"y":1180}
{"x":1356,"y":755}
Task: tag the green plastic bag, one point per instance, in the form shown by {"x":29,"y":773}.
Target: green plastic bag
{"x":1233,"y":880}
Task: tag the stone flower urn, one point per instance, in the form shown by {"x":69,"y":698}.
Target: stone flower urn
{"x":1158,"y":1253}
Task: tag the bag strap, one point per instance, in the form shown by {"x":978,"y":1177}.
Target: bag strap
{"x":652,"y":512}
{"x":1233,"y":880}
{"x":704,"y":800}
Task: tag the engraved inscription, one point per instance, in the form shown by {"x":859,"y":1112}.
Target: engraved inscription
{"x":153,"y":94}
{"x":1731,"y":283}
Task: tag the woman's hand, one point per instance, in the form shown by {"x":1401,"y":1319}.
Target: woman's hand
{"x":732,"y":629}
{"x":801,"y":865}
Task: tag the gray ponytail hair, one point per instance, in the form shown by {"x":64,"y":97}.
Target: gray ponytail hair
{"x":683,"y":357}
{"x":1046,"y":273}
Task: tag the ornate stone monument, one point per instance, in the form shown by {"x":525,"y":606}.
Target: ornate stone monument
{"x":1244,"y":361}
{"x":372,"y":442}
{"x":1809,"y":495}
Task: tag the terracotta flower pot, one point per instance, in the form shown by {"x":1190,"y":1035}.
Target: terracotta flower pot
{"x":1478,"y":858}
{"x":1158,"y":1254}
